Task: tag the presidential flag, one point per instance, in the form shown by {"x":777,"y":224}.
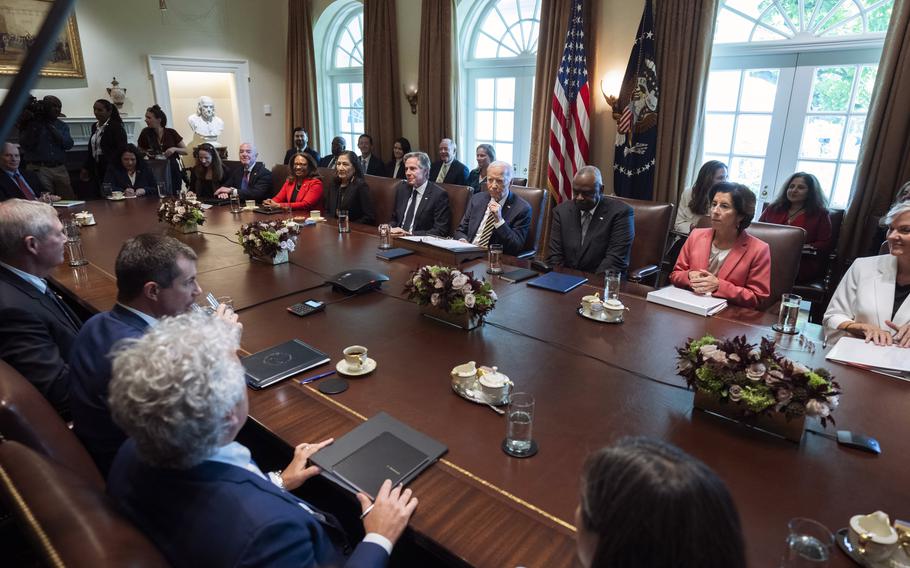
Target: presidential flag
{"x":636,"y":126}
{"x":571,"y":100}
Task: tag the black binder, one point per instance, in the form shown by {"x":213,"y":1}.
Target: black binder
{"x":391,"y":254}
{"x":277,"y":363}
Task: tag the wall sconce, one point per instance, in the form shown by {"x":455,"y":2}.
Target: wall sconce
{"x":610,"y":86}
{"x":410,"y":93}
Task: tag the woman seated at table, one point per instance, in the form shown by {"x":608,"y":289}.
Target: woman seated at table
{"x":871,"y":299}
{"x":477,"y":178}
{"x":646,"y":503}
{"x":395,"y":167}
{"x":725,"y":261}
{"x":694,"y":201}
{"x":208,"y":174}
{"x":159,"y":142}
{"x":349,"y":192}
{"x":303,"y":188}
{"x":131,"y":175}
{"x":801,"y":204}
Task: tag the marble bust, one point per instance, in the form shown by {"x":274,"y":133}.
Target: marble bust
{"x":204,"y":123}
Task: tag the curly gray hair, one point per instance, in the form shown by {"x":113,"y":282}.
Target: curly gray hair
{"x":173,"y":387}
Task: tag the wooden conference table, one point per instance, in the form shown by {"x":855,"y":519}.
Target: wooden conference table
{"x":593,"y":384}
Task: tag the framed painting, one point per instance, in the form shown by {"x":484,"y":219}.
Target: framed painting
{"x":20,"y":21}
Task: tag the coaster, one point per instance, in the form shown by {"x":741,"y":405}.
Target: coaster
{"x":780,"y":329}
{"x":334,"y":385}
{"x":532,"y":451}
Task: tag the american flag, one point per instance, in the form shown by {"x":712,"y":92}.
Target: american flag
{"x":625,"y":121}
{"x":571,"y":100}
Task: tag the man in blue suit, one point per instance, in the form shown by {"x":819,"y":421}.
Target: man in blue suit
{"x":496,"y":215}
{"x":196,"y":492}
{"x":156,"y":277}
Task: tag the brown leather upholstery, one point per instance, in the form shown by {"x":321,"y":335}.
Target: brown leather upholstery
{"x":279,"y":176}
{"x":819,"y":291}
{"x":382,"y":192}
{"x":69,"y":521}
{"x":537,"y":198}
{"x":786,"y":244}
{"x":459,"y":195}
{"x":652,"y":223}
{"x":26,"y":417}
{"x":522,"y":182}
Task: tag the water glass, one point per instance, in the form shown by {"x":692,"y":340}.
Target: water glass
{"x":235,"y":202}
{"x":494,"y":257}
{"x":519,"y":420}
{"x":789,"y":313}
{"x":344,"y":222}
{"x":809,"y":544}
{"x":226,"y":301}
{"x":612,"y":281}
{"x":162,"y":189}
{"x":385,"y":236}
{"x":107,"y":189}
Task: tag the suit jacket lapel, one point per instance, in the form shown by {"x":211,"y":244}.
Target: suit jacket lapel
{"x":423,"y":201}
{"x":883,"y":287}
{"x":734,"y":256}
{"x":598,"y":211}
{"x":32,"y":292}
{"x":128,"y":317}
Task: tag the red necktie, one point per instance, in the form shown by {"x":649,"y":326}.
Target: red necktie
{"x":25,"y":189}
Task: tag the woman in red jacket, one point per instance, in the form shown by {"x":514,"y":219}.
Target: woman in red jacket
{"x":303,"y":188}
{"x":801,"y":204}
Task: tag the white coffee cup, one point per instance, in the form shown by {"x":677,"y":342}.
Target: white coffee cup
{"x":117,"y":195}
{"x":494,"y":385}
{"x":315,"y":214}
{"x":355,"y":356}
{"x":873,"y":536}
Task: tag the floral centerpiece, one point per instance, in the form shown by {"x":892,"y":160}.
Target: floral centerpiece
{"x":450,"y":295}
{"x":184,"y":214}
{"x":269,"y":240}
{"x":755,"y":382}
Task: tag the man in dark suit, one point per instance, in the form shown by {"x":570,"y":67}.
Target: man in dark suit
{"x":252,"y":179}
{"x":496,"y":215}
{"x":16,"y":183}
{"x":301,"y":145}
{"x":184,"y":480}
{"x":371,"y":164}
{"x":448,"y":169}
{"x":421,"y":206}
{"x":36,"y":328}
{"x":156,"y":277}
{"x":590,"y":233}
{"x":338,"y":146}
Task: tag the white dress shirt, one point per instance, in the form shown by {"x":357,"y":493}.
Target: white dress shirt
{"x":417,"y":200}
{"x":499,"y":222}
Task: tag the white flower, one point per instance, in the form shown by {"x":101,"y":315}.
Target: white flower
{"x":180,"y":209}
{"x":833,"y":402}
{"x":434,"y":299}
{"x":439,"y":283}
{"x":467,"y":288}
{"x":416,"y":279}
{"x":493,"y":295}
{"x":816,"y":408}
{"x":459,"y":281}
{"x":469,"y":300}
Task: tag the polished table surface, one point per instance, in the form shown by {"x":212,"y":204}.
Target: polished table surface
{"x":593,"y":383}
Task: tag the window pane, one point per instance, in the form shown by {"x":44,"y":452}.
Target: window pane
{"x":879,"y":18}
{"x":824,"y":171}
{"x":723,"y":88}
{"x":821,"y":137}
{"x":839,"y":19}
{"x":747,"y":171}
{"x":731,"y":28}
{"x":751,"y":8}
{"x":759,"y":90}
{"x":718,"y":132}
{"x":504,"y":152}
{"x":509,"y":29}
{"x":854,"y":137}
{"x":764,"y":34}
{"x":357,"y":94}
{"x":505,"y":93}
{"x":485,"y":48}
{"x":483,"y":93}
{"x":720,"y":157}
{"x":483,"y":125}
{"x":774,"y":19}
{"x":505,"y":125}
{"x":831,"y":88}
{"x":864,"y":88}
{"x":843,"y":187}
{"x":752,"y":134}
{"x":344,"y":94}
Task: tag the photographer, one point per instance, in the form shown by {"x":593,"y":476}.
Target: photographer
{"x":44,"y":140}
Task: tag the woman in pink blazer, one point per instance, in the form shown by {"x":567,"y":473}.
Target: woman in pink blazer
{"x":725,"y":261}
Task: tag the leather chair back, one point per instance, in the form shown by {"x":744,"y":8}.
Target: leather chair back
{"x":786,"y":245}
{"x":26,"y":417}
{"x":652,"y":224}
{"x":382,"y":192}
{"x":69,"y":521}
{"x":522,"y":182}
{"x":837,"y":219}
{"x":459,"y":195}
{"x":537,"y":198}
{"x":280,"y":174}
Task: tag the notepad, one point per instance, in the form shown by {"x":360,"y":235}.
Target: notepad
{"x":891,"y":360}
{"x":688,"y":301}
{"x":277,"y":363}
{"x":558,"y":282}
{"x":391,"y":254}
{"x":68,"y":203}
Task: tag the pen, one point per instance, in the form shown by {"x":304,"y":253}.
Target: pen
{"x":367,"y":510}
{"x":316,"y":377}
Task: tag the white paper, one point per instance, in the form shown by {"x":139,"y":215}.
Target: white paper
{"x":854,"y":351}
{"x":448,"y":244}
{"x":687,"y":300}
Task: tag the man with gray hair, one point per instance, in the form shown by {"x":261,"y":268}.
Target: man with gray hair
{"x":496,"y":216}
{"x":184,"y":480}
{"x":448,"y":169}
{"x":252,"y":179}
{"x":421,"y":206}
{"x":36,"y":328}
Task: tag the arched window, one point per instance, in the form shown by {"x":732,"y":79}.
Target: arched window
{"x":339,"y":53}
{"x":794,"y":96}
{"x":499,"y":50}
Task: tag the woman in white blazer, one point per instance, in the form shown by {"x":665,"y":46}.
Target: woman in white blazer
{"x":871,"y":300}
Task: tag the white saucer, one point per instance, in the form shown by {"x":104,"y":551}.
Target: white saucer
{"x":368,"y":367}
{"x":115,"y":198}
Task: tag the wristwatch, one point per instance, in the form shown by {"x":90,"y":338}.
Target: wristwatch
{"x":275,"y":477}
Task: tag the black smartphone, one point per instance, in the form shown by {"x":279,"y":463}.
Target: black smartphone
{"x":858,"y":441}
{"x":306,"y":308}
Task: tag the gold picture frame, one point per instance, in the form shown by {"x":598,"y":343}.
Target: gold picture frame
{"x":20,"y":21}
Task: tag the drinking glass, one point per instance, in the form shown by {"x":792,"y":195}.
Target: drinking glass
{"x":344,"y":222}
{"x":519,"y":420}
{"x":789,"y":313}
{"x":385,"y":236}
{"x":107,"y":189}
{"x":74,"y":244}
{"x":809,"y":544}
{"x":162,"y":189}
{"x":235,"y":202}
{"x":612,"y":281}
{"x":226,"y":301}
{"x":289,"y":210}
{"x":494,"y":256}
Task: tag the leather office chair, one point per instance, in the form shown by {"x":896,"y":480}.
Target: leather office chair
{"x":279,"y":176}
{"x":652,"y":223}
{"x":459,"y":195}
{"x":786,"y":244}
{"x":819,"y":290}
{"x":382,"y":192}
{"x":68,"y":520}
{"x":26,"y":417}
{"x":521,"y":182}
{"x":537,"y":199}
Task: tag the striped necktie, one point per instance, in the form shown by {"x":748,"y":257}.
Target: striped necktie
{"x":487,"y":231}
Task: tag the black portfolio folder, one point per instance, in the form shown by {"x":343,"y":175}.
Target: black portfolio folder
{"x":274,"y":364}
{"x":518,"y":275}
{"x":391,"y":254}
{"x":558,"y":282}
{"x":381,"y":448}
{"x":269,"y":210}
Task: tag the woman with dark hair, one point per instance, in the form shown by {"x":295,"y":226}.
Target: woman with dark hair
{"x":647,"y":504}
{"x":303,"y":188}
{"x":693,"y":203}
{"x":800,"y":203}
{"x":395,"y":168}
{"x":349,"y":191}
{"x":158,"y":142}
{"x":208,"y":174}
{"x":131,"y":176}
{"x":477,"y":178}
{"x":725,"y":261}
{"x":107,"y":140}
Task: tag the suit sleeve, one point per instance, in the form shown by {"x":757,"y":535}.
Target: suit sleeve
{"x":462,"y":177}
{"x":312,"y":196}
{"x":556,"y":257}
{"x":757,"y":287}
{"x":261,"y":187}
{"x":513,"y":234}
{"x":281,"y":543}
{"x":680,"y":275}
{"x":840,"y":307}
{"x":441,"y":217}
{"x":26,"y":344}
{"x":619,"y":243}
